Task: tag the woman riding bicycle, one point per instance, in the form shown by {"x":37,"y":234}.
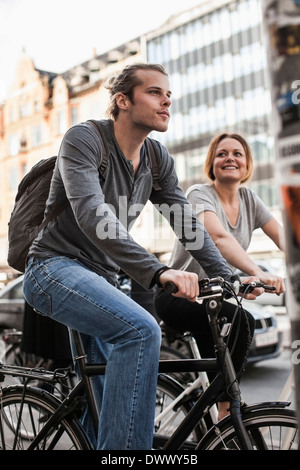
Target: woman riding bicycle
{"x":230,"y":213}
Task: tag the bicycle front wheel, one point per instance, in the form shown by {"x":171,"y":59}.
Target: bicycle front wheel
{"x":21,"y":419}
{"x":268,"y":429}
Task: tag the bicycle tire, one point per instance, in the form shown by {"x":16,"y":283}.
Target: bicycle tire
{"x":22,"y":419}
{"x":268,"y":429}
{"x":167,"y":391}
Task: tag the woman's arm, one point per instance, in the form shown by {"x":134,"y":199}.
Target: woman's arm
{"x":235,"y":254}
{"x":274,"y":231}
{"x":228,"y":245}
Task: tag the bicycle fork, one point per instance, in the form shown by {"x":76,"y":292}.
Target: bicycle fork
{"x":226,"y":366}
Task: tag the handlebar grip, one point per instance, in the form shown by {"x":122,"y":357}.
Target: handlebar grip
{"x":249,"y":287}
{"x":267,"y":287}
{"x":170,"y":287}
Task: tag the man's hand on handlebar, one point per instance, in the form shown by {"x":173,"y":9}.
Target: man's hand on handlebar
{"x":186,"y":282}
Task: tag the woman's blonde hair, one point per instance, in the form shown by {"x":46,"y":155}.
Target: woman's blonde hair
{"x":211,"y":154}
{"x":125,"y":83}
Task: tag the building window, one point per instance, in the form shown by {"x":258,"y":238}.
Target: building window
{"x":74,"y":116}
{"x":23,"y":169}
{"x":36,"y":136}
{"x":24,"y":109}
{"x":13,"y":145}
{"x":12,"y":114}
{"x":36,"y":106}
{"x":61,"y":122}
{"x":13,"y":179}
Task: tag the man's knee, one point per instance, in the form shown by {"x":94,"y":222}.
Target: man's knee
{"x":154,"y":330}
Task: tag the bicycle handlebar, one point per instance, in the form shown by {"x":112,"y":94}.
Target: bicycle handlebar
{"x":253,"y":284}
{"x":217,"y":287}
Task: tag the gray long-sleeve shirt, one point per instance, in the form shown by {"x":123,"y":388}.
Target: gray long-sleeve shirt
{"x":93,"y":227}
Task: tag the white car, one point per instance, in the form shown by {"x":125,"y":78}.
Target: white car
{"x":266,"y":343}
{"x":12,"y":305}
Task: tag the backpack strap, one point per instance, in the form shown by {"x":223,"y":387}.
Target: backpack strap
{"x":153,"y":153}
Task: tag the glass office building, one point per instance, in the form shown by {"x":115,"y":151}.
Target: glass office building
{"x":216,"y":61}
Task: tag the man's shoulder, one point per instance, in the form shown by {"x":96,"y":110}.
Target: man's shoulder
{"x":84,"y":126}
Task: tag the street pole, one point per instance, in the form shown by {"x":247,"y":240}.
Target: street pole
{"x":281,"y":26}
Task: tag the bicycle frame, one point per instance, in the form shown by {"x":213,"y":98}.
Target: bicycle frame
{"x":210,"y":396}
{"x":225,"y":380}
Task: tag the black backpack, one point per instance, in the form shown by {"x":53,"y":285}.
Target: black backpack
{"x":27,"y":217}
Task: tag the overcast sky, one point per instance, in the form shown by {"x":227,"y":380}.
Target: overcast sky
{"x":59,"y":34}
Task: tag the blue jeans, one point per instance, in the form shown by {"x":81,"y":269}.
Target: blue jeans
{"x":115,"y":330}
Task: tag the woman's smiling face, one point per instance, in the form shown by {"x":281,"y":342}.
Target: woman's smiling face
{"x":230,"y":162}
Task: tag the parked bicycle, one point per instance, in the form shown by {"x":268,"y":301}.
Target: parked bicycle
{"x":34,"y":419}
{"x":13,"y":355}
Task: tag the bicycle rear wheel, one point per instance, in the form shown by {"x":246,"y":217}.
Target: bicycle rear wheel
{"x":21,"y":419}
{"x":268,"y":429}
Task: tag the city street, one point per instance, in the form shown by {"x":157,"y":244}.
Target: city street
{"x":265,"y":380}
